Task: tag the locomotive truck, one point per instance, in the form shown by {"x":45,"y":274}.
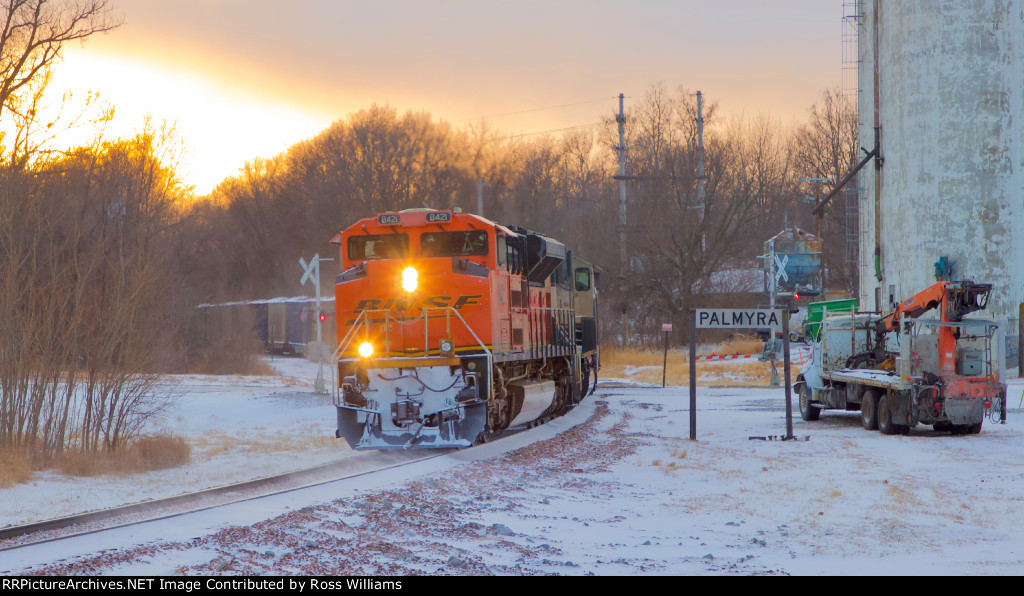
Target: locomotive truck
{"x":899,"y":370}
{"x":453,"y":328}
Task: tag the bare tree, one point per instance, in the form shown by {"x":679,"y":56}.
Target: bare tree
{"x":84,"y":299}
{"x":677,"y":238}
{"x":34,"y":32}
{"x":824,"y":151}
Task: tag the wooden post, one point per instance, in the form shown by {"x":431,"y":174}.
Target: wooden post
{"x":693,"y":375}
{"x":786,"y":374}
{"x":664,"y":362}
{"x":1020,"y":342}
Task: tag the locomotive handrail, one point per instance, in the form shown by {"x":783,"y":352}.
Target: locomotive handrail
{"x":363,"y":320}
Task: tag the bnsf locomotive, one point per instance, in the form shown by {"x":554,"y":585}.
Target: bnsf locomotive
{"x":452,"y":328}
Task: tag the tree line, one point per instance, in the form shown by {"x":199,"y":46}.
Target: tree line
{"x":678,"y":237}
{"x":106,"y":253}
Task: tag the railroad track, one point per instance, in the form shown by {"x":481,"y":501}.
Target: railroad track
{"x":209,"y":498}
{"x":92,"y":522}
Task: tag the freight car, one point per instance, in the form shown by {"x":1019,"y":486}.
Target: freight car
{"x":453,"y":328}
{"x":282,"y":325}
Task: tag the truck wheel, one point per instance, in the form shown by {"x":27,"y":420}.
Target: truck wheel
{"x":885,"y":425}
{"x":807,"y":411}
{"x":974,"y":428}
{"x":869,"y":409}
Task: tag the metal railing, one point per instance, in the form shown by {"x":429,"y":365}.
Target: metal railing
{"x":363,"y":322}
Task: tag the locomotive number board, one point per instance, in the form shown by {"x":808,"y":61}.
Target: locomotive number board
{"x":414,"y":218}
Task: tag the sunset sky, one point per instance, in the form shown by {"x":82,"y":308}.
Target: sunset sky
{"x":248,"y":78}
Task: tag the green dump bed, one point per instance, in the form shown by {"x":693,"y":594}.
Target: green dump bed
{"x":816,"y":312}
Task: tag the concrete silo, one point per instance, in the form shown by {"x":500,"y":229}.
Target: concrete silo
{"x":943,"y":83}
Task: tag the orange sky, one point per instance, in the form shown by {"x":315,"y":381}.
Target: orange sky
{"x":247,"y":78}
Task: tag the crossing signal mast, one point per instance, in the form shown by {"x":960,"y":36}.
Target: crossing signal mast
{"x":311,"y":272}
{"x":792,"y":263}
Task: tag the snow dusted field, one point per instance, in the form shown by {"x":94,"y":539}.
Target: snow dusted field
{"x":614,"y":488}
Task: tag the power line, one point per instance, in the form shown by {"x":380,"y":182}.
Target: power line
{"x":565,"y":105}
{"x":540,"y":132}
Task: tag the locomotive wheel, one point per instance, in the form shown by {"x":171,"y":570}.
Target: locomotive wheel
{"x":585,"y":380}
{"x":487,"y":436}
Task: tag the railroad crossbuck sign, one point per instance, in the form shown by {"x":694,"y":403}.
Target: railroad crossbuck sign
{"x":780,"y":268}
{"x":310,"y":271}
{"x":737,"y":319}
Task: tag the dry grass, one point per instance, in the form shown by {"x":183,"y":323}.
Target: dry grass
{"x":15,"y":468}
{"x":259,"y":368}
{"x":741,"y":345}
{"x":645,"y":366}
{"x":902,"y":496}
{"x":213,"y":444}
{"x":142,"y":455}
{"x":230,"y":358}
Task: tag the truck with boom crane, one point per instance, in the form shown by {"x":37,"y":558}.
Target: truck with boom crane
{"x":900,"y":370}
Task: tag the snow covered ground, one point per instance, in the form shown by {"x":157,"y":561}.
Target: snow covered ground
{"x":239,"y":428}
{"x":614,"y":488}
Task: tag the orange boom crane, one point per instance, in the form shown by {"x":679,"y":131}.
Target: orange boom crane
{"x":954,"y":299}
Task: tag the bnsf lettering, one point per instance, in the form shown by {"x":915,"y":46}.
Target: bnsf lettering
{"x":371,"y":304}
{"x":467,"y":301}
{"x":437,"y":301}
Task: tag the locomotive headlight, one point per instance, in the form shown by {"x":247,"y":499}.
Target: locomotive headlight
{"x":366,"y":349}
{"x":410,"y":279}
{"x":446,"y":346}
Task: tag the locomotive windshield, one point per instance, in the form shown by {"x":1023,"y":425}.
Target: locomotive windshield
{"x":453,"y":244}
{"x":378,"y":246}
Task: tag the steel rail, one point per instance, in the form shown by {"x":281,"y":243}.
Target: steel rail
{"x":113,"y":512}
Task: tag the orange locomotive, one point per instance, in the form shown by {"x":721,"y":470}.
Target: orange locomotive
{"x":452,"y":328}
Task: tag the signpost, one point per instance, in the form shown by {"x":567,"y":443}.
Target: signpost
{"x":667,"y":328}
{"x":738,"y":319}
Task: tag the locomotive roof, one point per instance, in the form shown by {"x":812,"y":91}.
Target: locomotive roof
{"x":418,"y":217}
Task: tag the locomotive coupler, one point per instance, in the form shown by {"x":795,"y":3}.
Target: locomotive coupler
{"x":404,"y":413}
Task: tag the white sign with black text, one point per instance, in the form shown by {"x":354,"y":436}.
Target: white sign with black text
{"x":737,"y":318}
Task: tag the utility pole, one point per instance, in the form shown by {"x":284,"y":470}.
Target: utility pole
{"x":701,"y":197}
{"x":480,"y":197}
{"x":623,"y":255}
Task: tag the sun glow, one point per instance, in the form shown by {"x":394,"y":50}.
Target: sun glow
{"x":221,"y":127}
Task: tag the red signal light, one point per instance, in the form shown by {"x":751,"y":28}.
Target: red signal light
{"x":323,"y":318}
